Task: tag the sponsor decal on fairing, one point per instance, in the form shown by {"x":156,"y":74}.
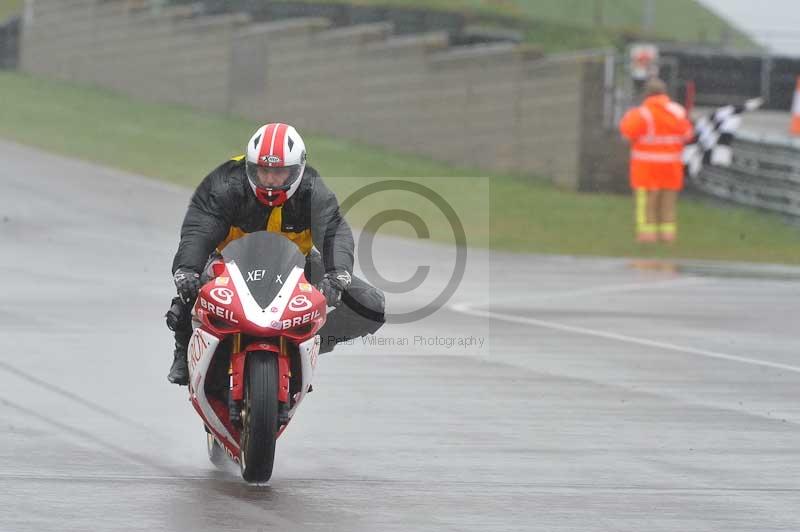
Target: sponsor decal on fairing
{"x":218,"y":311}
{"x":299,"y":320}
{"x":256,"y":275}
{"x":300,"y":303}
{"x":222,"y":295}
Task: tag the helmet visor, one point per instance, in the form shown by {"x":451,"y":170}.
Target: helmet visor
{"x":273,"y":177}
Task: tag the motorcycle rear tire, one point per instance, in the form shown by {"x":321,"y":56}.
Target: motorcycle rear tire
{"x":259,"y":416}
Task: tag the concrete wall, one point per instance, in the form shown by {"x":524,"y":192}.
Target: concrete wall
{"x":496,"y":107}
{"x":156,"y":55}
{"x":489,"y":107}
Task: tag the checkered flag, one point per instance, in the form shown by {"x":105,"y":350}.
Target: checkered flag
{"x":713,"y":135}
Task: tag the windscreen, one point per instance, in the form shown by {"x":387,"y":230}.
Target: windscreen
{"x":265,"y":260}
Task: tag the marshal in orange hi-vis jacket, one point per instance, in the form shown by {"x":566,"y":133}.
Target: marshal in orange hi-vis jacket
{"x":657,"y":130}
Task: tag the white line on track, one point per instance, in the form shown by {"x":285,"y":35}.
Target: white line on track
{"x":468,"y":309}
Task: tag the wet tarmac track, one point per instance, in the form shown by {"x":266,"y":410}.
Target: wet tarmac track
{"x":602,"y":396}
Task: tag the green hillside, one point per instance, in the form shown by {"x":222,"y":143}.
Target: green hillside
{"x":556,"y":25}
{"x":561,"y":24}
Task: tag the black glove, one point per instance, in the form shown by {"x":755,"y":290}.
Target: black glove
{"x":332,"y":286}
{"x":188,"y":284}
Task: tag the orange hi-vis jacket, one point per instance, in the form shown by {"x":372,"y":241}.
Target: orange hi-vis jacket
{"x":658,"y":130}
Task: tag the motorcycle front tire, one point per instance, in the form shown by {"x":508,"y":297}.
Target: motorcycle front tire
{"x":259,"y":416}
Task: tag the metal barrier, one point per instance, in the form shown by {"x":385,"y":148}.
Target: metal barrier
{"x":765,"y":173}
{"x":722,"y":78}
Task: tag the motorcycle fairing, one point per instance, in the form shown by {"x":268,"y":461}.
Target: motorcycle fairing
{"x":309,"y":351}
{"x":202,"y":347}
{"x":264,"y":317}
{"x":293,"y":310}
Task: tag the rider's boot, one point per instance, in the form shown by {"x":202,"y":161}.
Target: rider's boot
{"x":178,"y":321}
{"x":179,"y":372}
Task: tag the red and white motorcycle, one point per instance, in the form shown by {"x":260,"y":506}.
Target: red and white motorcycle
{"x":254,"y":349}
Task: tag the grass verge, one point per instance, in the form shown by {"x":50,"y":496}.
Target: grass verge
{"x":9,"y":8}
{"x":181,"y":145}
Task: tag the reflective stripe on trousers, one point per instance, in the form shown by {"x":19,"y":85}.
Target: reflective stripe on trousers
{"x":668,"y":231}
{"x":642,"y":226}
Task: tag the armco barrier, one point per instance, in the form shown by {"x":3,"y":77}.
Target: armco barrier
{"x":722,"y":78}
{"x":765,"y":173}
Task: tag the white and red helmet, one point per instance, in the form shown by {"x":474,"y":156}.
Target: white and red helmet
{"x":275,"y":146}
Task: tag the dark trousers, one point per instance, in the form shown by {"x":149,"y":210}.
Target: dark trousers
{"x":361,"y":313}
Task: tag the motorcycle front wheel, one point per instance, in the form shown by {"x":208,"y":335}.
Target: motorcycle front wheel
{"x":259,"y":416}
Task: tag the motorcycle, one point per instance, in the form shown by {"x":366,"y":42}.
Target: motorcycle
{"x":254,"y":349}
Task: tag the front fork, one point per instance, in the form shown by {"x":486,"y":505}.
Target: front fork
{"x":236,"y":381}
{"x":236,"y":378}
{"x":284,"y":377}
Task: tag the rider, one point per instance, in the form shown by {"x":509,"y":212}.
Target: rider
{"x":272,"y":188}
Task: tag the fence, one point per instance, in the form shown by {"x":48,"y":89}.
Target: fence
{"x":765,"y":173}
{"x":723,"y":78}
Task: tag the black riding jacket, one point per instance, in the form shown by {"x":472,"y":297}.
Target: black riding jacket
{"x":224,"y":208}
